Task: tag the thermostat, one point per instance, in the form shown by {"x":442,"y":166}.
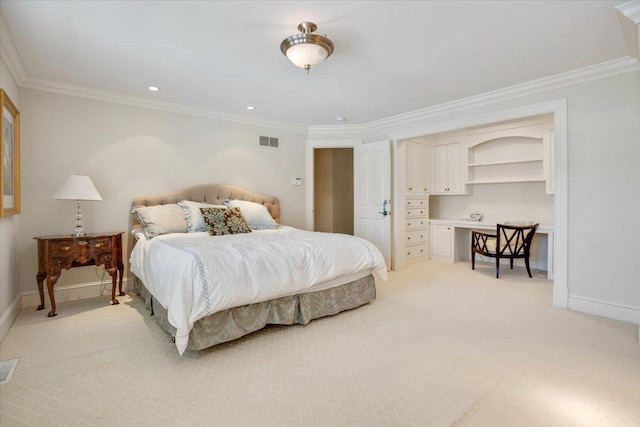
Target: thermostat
{"x":296,"y":181}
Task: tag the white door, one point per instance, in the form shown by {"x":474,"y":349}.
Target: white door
{"x":372,"y":194}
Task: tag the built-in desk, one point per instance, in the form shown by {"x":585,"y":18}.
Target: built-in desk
{"x":451,"y":239}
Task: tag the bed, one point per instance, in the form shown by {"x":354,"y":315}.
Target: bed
{"x":205,"y":290}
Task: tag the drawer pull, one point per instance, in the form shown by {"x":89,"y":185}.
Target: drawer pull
{"x":82,"y":242}
{"x":67,"y":248}
{"x":97,"y":245}
{"x":408,"y":238}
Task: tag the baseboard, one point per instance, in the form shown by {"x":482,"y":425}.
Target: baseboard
{"x":71,"y":293}
{"x":604,"y":309}
{"x":10,"y":316}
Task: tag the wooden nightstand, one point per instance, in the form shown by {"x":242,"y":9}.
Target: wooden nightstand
{"x":57,"y":253}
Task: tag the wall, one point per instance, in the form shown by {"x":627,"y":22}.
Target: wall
{"x":129,"y":151}
{"x":603,"y":185}
{"x":9,"y":270}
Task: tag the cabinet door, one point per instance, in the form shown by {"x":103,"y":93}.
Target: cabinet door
{"x":440,"y":169}
{"x":441,"y":241}
{"x":426,"y":173}
{"x":455,"y":171}
{"x":415,"y":168}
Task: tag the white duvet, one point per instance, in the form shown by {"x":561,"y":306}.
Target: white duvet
{"x":194,"y":275}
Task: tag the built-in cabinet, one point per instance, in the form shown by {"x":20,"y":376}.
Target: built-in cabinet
{"x":448,"y":169}
{"x":418,"y":168}
{"x":416,"y":228}
{"x":521,"y":154}
{"x":441,"y":242}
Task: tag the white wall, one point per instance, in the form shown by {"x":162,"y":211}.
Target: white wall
{"x":9,"y":279}
{"x":129,"y":151}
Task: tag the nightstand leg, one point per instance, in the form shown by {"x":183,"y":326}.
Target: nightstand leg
{"x":113,"y":272}
{"x":50,"y":282}
{"x":40,"y":278}
{"x":121,"y":271}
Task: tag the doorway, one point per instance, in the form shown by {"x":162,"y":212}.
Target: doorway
{"x":333,"y":190}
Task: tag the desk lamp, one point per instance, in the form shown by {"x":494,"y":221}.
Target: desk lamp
{"x":77,"y":187}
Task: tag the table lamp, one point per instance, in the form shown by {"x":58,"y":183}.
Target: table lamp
{"x":77,"y":187}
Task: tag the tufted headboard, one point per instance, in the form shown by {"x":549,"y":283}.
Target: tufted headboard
{"x":215,"y":194}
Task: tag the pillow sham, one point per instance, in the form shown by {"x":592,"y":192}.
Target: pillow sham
{"x":257,"y":215}
{"x":221,"y":221}
{"x":161,"y":219}
{"x":192,"y":214}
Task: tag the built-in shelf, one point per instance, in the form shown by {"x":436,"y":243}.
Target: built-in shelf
{"x":506,"y":162}
{"x":504,"y":180}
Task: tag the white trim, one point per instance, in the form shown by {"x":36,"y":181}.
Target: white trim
{"x":155,"y":105}
{"x":72,"y":293}
{"x":604,"y":308}
{"x":606,"y":69}
{"x":9,"y":53}
{"x":311,"y":145}
{"x":631,"y":10}
{"x":10,"y":316}
{"x":559,"y":110}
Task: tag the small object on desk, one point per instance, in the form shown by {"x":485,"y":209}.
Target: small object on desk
{"x":57,"y":253}
{"x":474,"y":217}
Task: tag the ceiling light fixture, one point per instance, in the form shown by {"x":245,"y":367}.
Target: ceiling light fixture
{"x":153,"y":89}
{"x":306,"y":49}
{"x":250,"y":107}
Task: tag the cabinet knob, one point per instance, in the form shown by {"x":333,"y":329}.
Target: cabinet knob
{"x":408,"y":238}
{"x":66,"y":248}
{"x":410,"y":188}
{"x":82,"y":242}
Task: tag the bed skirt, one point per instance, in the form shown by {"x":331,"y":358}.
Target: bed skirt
{"x":236,"y":322}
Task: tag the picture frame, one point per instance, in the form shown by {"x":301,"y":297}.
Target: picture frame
{"x":9,"y":156}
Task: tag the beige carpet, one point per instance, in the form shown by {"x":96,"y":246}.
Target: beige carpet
{"x":442,"y":345}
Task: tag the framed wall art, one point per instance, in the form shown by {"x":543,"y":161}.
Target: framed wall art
{"x":9,"y":156}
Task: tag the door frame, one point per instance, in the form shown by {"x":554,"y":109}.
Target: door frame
{"x":310,"y":188}
{"x":556,"y":107}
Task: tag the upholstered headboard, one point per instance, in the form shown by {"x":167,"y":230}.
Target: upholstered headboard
{"x":215,"y":194}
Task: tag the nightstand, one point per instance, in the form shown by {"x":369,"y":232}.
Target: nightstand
{"x":57,"y":253}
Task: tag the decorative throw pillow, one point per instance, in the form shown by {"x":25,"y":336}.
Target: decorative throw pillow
{"x":161,"y":219}
{"x":192,"y":213}
{"x":256,"y":215}
{"x":220,"y":221}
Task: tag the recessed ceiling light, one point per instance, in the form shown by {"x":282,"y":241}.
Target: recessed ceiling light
{"x":153,"y":89}
{"x":340,"y":119}
{"x":250,"y":107}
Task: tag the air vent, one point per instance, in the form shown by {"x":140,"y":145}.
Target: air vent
{"x":269,"y":141}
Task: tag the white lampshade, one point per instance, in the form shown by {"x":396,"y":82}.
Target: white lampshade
{"x":77,"y":187}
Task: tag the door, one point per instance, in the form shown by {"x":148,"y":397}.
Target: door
{"x":440,"y":169}
{"x":372,"y":194}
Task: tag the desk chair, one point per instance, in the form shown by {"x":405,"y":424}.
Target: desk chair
{"x":510,"y":241}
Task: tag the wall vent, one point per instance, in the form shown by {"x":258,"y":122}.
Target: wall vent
{"x":269,"y":141}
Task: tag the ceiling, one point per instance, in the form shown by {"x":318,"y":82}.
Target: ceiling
{"x":390,"y":57}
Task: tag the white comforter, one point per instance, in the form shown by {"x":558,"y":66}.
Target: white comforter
{"x":194,"y":275}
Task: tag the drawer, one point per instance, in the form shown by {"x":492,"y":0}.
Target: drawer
{"x":417,"y":203}
{"x":76,"y":246}
{"x":416,"y":251}
{"x":414,"y":223}
{"x":413,"y":212}
{"x":418,"y":236}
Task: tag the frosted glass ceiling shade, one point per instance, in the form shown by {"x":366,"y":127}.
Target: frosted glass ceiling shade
{"x":77,"y":187}
{"x":306,"y":49}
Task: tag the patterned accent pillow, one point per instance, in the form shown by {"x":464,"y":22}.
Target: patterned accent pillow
{"x":220,"y":221}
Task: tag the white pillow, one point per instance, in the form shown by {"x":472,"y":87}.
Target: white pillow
{"x":161,"y":219}
{"x":195,"y":221}
{"x":256,"y":215}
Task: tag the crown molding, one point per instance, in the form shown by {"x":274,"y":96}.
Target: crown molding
{"x":594,"y":72}
{"x":9,"y":53}
{"x":155,"y":105}
{"x":629,"y":15}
